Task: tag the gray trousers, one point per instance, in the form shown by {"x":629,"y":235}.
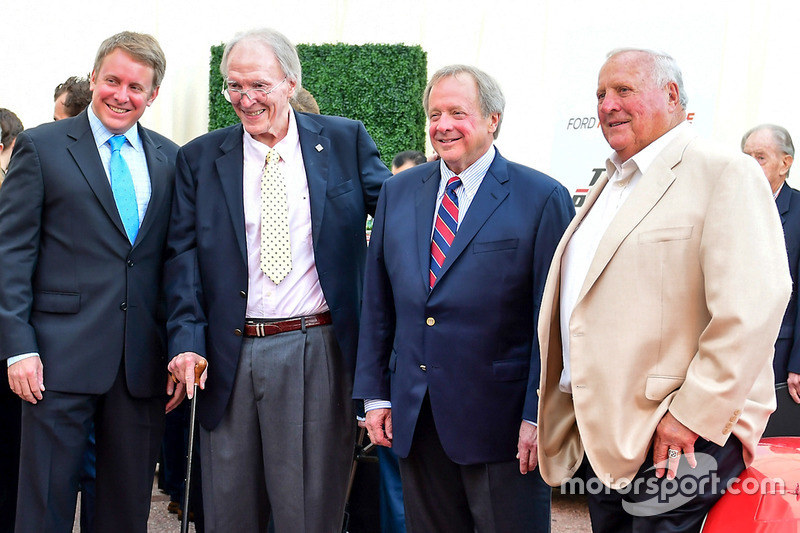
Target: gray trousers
{"x":285,"y":444}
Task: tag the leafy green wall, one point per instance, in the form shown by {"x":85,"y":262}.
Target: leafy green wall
{"x":379,"y":84}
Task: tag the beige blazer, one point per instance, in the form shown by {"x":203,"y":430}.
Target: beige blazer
{"x":680,"y":310}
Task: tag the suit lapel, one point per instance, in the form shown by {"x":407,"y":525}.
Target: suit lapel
{"x":230,"y":170}
{"x":158,"y":168}
{"x":84,"y":152}
{"x":490,"y":194}
{"x":651,"y":188}
{"x":316,"y":150}
{"x":784,"y":202}
{"x":425,"y":204}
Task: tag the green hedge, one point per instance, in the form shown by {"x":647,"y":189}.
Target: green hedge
{"x":378,"y":84}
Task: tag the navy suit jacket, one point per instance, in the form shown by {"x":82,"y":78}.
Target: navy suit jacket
{"x":787,"y":347}
{"x":206,"y":273}
{"x":71,"y":286}
{"x":470,"y":342}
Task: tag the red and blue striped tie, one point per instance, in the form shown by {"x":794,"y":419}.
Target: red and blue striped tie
{"x":445,"y":228}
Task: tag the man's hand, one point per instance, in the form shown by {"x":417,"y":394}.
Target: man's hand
{"x":176,"y":392}
{"x":672,"y":435}
{"x":793,"y":384}
{"x":527,"y":447}
{"x":26,"y":379}
{"x":182,"y":369}
{"x":379,"y":427}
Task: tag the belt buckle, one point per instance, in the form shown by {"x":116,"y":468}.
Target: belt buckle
{"x":265,"y":329}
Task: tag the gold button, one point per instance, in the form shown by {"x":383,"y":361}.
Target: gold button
{"x":737,"y":412}
{"x":726,"y":431}
{"x":733,"y":419}
{"x":237,"y":332}
{"x":423,"y":368}
{"x":430,"y":321}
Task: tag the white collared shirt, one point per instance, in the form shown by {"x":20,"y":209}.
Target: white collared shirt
{"x":580,"y":250}
{"x":471,"y":180}
{"x":299,"y":294}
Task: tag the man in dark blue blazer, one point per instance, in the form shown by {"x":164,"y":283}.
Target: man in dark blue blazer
{"x":277,"y":422}
{"x":772,"y":147}
{"x":448,"y":358}
{"x":81,"y":307}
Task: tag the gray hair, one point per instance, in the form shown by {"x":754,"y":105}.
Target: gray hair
{"x":490,"y":95}
{"x":284,"y":50}
{"x":782,"y":137}
{"x":665,"y":70}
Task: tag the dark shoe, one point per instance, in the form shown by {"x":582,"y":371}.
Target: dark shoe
{"x":174,"y":507}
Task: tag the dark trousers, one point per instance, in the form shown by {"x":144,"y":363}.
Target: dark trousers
{"x":441,"y":495}
{"x":664,"y":506}
{"x":10,"y":410}
{"x":54,"y":437}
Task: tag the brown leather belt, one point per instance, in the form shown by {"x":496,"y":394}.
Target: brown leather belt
{"x":257,"y":328}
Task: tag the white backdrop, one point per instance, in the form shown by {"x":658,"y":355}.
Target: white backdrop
{"x":739,"y":57}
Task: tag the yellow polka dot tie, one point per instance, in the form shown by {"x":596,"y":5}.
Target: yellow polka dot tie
{"x":276,"y":250}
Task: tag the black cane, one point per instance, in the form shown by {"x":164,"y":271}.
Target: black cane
{"x":198,"y":371}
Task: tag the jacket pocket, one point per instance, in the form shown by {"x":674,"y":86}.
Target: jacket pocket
{"x":495,"y":246}
{"x":340,"y":189}
{"x":510,"y":369}
{"x":57,"y":302}
{"x":658,"y":387}
{"x":680,"y":233}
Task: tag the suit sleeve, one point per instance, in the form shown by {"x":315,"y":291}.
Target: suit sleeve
{"x":556,"y":216}
{"x":793,"y":365}
{"x":372,"y":170}
{"x":21,"y":204}
{"x":747,"y":286}
{"x":186,"y":322}
{"x":376,"y":335}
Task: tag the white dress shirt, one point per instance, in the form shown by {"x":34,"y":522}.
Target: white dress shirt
{"x":299,"y":293}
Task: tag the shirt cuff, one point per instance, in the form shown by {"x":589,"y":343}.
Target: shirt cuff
{"x":16,"y":358}
{"x":369,"y":405}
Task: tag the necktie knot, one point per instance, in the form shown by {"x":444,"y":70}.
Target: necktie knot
{"x":116,"y":142}
{"x":453,"y":183}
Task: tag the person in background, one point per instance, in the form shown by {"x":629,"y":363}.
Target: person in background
{"x":265,"y":267}
{"x":304,"y":102}
{"x":772,"y":147}
{"x":10,"y":127}
{"x":407,"y":159}
{"x":83,"y":222}
{"x":71,"y":97}
{"x":392,"y":514}
{"x":448,"y":357}
{"x":660,"y":313}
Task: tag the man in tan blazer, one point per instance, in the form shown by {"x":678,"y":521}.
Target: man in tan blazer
{"x":660,"y":312}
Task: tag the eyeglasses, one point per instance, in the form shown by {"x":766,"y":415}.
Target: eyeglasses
{"x":258,"y":95}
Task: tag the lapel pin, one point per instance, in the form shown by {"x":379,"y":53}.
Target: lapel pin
{"x":318,"y":147}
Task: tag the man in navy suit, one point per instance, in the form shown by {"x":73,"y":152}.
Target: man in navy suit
{"x":277,"y":320}
{"x":772,"y":147}
{"x":448,"y":358}
{"x":81,"y":307}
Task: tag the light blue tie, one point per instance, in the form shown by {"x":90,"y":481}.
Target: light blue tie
{"x":122,"y":187}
